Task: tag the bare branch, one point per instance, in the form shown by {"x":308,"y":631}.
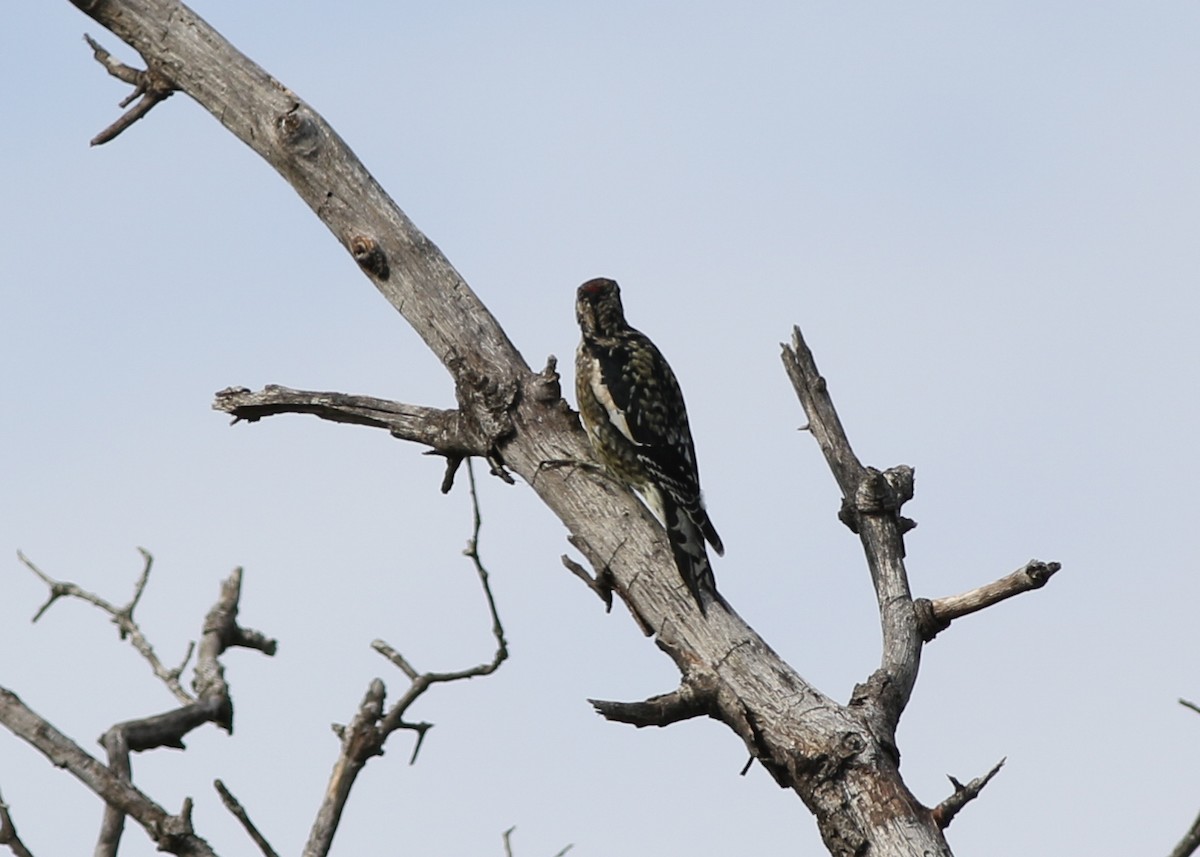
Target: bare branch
{"x":151,"y":86}
{"x":365,"y":735}
{"x":1190,"y":841}
{"x":213,"y":705}
{"x":444,"y":431}
{"x":871,"y":503}
{"x":601,"y":584}
{"x":945,"y":811}
{"x":8,"y":833}
{"x":687,"y":701}
{"x":508,"y":852}
{"x":936,"y":615}
{"x":122,"y":617}
{"x":232,"y":804}
{"x":172,"y":833}
{"x":658,"y":711}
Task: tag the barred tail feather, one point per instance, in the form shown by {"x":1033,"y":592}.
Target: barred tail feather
{"x":691,"y":558}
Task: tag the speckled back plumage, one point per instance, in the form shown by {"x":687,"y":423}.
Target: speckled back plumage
{"x":634,"y":413}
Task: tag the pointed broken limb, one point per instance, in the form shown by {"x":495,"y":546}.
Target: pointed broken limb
{"x":444,"y":431}
{"x":945,"y":811}
{"x":871,"y":503}
{"x":691,"y":699}
{"x":150,"y":86}
{"x":364,"y":737}
{"x":936,"y":615}
{"x":451,"y":433}
{"x":601,"y":584}
{"x":235,"y":807}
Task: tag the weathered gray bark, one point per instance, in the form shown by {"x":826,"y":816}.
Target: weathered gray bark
{"x":841,"y":760}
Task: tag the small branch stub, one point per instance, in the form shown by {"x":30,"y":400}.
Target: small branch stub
{"x":149,"y":88}
{"x":937,"y":614}
{"x":689,"y":700}
{"x":945,"y":811}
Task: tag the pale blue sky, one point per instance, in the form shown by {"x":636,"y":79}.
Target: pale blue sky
{"x":984,"y":216}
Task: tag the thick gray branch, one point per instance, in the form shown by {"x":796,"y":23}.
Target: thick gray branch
{"x":445,"y":431}
{"x":871,"y":504}
{"x":172,"y":833}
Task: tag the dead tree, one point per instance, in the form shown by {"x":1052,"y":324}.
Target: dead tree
{"x":840,"y":759}
{"x":210,"y":701}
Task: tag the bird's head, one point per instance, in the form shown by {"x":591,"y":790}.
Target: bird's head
{"x":598,"y":308}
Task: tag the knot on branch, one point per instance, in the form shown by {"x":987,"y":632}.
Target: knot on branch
{"x":486,"y":404}
{"x":370,"y":256}
{"x":929,"y":622}
{"x":298,"y":132}
{"x":880,"y":494}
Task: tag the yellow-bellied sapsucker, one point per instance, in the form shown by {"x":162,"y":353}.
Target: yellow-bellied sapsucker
{"x":635,"y":417}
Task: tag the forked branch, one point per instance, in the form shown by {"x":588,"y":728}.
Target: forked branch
{"x":945,"y":811}
{"x":871,"y":503}
{"x":209,"y":704}
{"x":150,"y":86}
{"x":122,"y":617}
{"x":364,"y":736}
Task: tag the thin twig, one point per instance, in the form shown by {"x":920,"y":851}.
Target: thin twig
{"x":945,"y":811}
{"x":122,"y":617}
{"x":234,"y":806}
{"x":150,"y":86}
{"x":508,"y":852}
{"x":1190,"y":841}
{"x":366,"y":734}
{"x":8,"y":833}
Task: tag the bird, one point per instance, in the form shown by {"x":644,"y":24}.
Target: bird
{"x":635,"y":418}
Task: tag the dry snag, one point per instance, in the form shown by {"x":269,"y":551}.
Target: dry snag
{"x":840,"y":759}
{"x":210,"y":702}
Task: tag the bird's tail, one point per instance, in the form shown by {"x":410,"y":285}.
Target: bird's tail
{"x":691,"y":557}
